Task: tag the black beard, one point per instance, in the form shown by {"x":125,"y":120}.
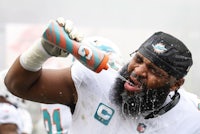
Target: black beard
{"x":134,"y":104}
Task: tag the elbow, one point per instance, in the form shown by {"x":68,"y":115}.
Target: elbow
{"x":13,"y":87}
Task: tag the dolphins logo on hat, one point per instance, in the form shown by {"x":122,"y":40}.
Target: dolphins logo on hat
{"x":159,"y":48}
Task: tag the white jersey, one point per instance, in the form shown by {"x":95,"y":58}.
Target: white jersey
{"x":57,"y":118}
{"x":10,"y":114}
{"x":95,"y":114}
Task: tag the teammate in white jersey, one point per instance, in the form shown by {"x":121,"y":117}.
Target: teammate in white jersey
{"x":10,"y":123}
{"x":145,"y":98}
{"x":14,"y":109}
{"x":57,"y":118}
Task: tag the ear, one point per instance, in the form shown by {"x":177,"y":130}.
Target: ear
{"x":177,"y":84}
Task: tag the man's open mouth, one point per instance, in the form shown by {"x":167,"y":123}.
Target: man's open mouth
{"x":133,"y":84}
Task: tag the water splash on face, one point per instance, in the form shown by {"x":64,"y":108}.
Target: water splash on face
{"x":133,"y":104}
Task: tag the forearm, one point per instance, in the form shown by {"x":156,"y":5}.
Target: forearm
{"x":26,"y":69}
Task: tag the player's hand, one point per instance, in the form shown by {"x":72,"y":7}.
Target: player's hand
{"x":73,"y":33}
{"x":69,"y":27}
{"x":53,"y":50}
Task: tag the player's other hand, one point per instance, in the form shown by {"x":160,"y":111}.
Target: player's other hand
{"x":69,"y":27}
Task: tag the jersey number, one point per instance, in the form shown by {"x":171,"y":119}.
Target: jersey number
{"x":55,"y":121}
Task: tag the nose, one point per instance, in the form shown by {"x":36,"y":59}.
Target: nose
{"x":141,"y":70}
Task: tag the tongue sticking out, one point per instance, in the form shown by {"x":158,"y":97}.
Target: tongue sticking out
{"x":131,"y":87}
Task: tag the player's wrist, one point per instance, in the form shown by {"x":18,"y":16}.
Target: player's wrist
{"x":34,"y":57}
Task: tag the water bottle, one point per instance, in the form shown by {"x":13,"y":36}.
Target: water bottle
{"x":91,"y":57}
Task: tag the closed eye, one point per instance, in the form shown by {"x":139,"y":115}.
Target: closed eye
{"x":155,"y":71}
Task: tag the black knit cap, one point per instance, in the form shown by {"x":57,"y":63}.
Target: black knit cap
{"x":168,"y":53}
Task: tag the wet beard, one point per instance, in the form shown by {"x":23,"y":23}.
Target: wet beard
{"x":140,"y":103}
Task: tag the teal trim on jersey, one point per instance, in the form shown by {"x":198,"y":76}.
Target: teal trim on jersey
{"x":104,"y":114}
{"x":55,"y":121}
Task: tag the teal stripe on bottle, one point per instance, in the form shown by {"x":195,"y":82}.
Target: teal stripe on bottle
{"x":57,"y":34}
{"x":96,"y":59}
{"x":69,"y":44}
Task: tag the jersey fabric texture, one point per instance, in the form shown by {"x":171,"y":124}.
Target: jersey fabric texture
{"x":27,"y":120}
{"x":95,"y":113}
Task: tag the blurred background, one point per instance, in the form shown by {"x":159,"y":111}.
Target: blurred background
{"x":128,"y":23}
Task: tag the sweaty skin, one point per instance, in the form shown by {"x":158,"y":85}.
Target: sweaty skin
{"x":40,"y":86}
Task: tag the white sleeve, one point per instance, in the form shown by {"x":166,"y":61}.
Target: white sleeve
{"x":81,"y":73}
